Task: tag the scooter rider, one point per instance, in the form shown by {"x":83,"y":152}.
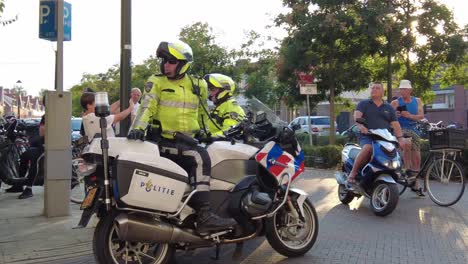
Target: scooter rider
{"x":378,"y":114}
{"x":227,"y":112}
{"x":175,"y":101}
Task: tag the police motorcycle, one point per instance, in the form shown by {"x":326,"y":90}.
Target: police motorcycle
{"x":378,"y":179}
{"x":142,"y":199}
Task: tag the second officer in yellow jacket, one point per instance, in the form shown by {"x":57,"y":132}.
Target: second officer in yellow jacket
{"x":227,"y":112}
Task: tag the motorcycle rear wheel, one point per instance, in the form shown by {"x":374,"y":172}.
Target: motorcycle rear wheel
{"x":344,"y":196}
{"x":288,"y":235}
{"x":108,"y":248}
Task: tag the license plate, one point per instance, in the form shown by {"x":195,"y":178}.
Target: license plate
{"x":88,"y":201}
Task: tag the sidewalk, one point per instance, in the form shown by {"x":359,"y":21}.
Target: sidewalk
{"x":26,"y":236}
{"x":417,"y":232}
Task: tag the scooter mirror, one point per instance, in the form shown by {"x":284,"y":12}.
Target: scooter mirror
{"x":361,"y":121}
{"x":295,"y":127}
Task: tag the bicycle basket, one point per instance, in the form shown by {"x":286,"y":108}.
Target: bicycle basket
{"x":448,"y":138}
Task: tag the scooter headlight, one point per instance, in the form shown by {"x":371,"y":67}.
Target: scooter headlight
{"x":395,"y":164}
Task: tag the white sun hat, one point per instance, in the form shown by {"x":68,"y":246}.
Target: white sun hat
{"x":405,"y":84}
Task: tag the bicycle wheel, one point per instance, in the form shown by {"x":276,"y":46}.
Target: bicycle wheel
{"x":78,"y":190}
{"x":445,"y":182}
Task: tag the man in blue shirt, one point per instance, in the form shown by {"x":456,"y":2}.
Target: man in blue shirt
{"x":409,"y":110}
{"x":378,"y":114}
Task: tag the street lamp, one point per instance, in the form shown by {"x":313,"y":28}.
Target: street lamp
{"x":18,"y":86}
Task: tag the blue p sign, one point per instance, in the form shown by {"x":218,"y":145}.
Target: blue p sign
{"x":47,"y":21}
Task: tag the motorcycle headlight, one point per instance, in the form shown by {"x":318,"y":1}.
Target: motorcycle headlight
{"x":395,"y":164}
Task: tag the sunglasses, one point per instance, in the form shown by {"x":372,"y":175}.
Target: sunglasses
{"x":170,"y":61}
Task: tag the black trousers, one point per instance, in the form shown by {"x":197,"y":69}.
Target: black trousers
{"x":29,"y":163}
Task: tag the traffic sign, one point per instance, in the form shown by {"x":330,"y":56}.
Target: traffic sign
{"x":310,"y":88}
{"x":48,"y":23}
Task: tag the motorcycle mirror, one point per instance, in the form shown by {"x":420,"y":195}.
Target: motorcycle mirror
{"x":295,"y":127}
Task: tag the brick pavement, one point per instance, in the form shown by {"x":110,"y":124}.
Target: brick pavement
{"x":417,"y":232}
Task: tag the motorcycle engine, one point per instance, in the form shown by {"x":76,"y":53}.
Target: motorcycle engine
{"x":256,"y":203}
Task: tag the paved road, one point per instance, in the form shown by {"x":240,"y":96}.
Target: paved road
{"x":417,"y":232}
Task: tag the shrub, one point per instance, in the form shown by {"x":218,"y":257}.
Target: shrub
{"x":320,"y":140}
{"x":322,"y":156}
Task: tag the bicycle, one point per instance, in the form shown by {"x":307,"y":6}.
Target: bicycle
{"x":444,"y":178}
{"x":79,"y":186}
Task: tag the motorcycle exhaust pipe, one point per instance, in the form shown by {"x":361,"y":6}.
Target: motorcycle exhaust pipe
{"x":145,"y":229}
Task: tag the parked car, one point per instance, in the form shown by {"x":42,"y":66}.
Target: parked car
{"x":75,"y":127}
{"x":320,"y":125}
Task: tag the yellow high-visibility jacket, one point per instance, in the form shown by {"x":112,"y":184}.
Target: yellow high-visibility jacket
{"x":175,"y":104}
{"x":226,"y":115}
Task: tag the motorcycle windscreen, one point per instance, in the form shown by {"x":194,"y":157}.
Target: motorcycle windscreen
{"x":272,"y":154}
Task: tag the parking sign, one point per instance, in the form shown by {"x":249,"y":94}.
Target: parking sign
{"x":48,"y":23}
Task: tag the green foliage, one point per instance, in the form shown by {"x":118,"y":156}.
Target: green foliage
{"x":8,"y":21}
{"x":208,"y":55}
{"x":329,"y":40}
{"x":322,"y":156}
{"x":102,"y":82}
{"x":455,"y":74}
{"x":303,"y":139}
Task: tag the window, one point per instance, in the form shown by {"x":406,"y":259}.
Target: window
{"x":451,"y":101}
{"x":321,"y":121}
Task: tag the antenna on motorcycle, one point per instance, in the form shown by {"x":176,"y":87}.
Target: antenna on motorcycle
{"x":102,"y":110}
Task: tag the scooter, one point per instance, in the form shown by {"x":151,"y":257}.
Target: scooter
{"x":378,"y":179}
{"x":142,"y":199}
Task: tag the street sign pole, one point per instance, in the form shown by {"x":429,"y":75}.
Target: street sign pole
{"x":308,"y":89}
{"x":55,"y":25}
{"x":309,"y":121}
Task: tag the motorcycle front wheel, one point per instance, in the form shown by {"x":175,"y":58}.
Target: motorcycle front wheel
{"x":384,"y":198}
{"x":344,"y":196}
{"x":290,"y":236}
{"x":108,"y":248}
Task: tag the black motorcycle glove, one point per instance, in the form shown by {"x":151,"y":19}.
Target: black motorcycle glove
{"x":136,"y":134}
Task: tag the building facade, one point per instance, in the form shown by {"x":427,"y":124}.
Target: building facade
{"x":20,"y":106}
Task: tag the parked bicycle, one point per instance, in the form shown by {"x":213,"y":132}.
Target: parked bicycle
{"x":79,"y":184}
{"x":444,"y":176}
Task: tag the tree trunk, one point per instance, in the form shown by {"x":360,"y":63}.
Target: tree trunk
{"x":389,"y":71}
{"x":332,"y":114}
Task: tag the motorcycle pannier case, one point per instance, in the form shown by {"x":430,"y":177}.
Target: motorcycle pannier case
{"x":150,"y":184}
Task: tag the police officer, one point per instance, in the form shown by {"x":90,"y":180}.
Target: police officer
{"x":175,"y":101}
{"x":227,"y":112}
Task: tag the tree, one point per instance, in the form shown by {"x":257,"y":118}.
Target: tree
{"x":397,"y":24}
{"x":208,"y":55}
{"x":444,"y":44}
{"x":8,"y":21}
{"x":327,"y":39}
{"x":258,"y":66}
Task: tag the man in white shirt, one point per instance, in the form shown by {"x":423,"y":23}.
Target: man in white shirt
{"x":135,"y":95}
{"x":91,"y":121}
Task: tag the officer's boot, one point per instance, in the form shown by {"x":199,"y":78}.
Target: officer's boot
{"x":208,"y":222}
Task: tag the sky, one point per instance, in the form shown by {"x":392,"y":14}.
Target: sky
{"x":95,"y":44}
